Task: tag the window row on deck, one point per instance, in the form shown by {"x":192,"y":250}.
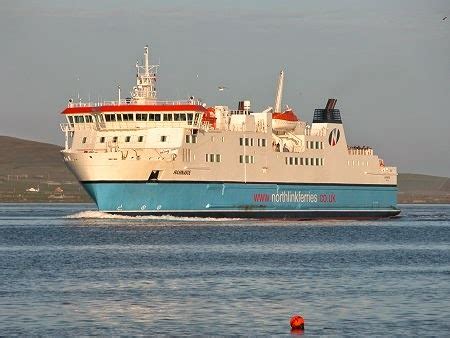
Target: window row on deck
{"x":115,"y":139}
{"x":248,"y":141}
{"x":140,"y":117}
{"x":316,"y":161}
{"x":314,"y":145}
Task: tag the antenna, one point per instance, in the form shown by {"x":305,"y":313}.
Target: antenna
{"x":78,"y":89}
{"x":146,"y":70}
{"x":279,"y":93}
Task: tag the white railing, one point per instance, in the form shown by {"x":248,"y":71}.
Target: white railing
{"x":363,"y":150}
{"x":133,"y":102}
{"x":127,"y":125}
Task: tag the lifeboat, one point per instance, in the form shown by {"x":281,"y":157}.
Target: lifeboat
{"x":284,"y":121}
{"x":209,"y":117}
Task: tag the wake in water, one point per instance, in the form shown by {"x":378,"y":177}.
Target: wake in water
{"x":95,"y":214}
{"x":95,"y":217}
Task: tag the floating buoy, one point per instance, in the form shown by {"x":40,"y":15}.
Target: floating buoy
{"x":297,"y":322}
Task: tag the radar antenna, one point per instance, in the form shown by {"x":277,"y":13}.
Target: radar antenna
{"x":145,"y":90}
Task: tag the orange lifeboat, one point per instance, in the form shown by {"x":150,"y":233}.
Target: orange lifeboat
{"x":284,"y":121}
{"x":209,"y":117}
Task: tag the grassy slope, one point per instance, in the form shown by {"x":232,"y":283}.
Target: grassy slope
{"x":44,"y":167}
{"x":416,"y":188}
{"x":25,"y":164}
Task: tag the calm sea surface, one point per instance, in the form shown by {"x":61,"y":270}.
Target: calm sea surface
{"x":69,"y":270}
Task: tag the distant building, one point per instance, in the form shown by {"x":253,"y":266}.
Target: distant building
{"x":33,"y":189}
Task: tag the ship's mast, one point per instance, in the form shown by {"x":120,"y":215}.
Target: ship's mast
{"x":279,"y":95}
{"x":145,"y":90}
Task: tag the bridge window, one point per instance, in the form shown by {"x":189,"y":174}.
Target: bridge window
{"x":119,"y":117}
{"x":168,"y":117}
{"x":70,"y":118}
{"x":127,"y":117}
{"x":190,"y":117}
{"x":78,"y":119}
{"x":141,"y":117}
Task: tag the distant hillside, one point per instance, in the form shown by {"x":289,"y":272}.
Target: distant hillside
{"x":28,"y":164}
{"x":416,"y":188}
{"x":22,"y":157}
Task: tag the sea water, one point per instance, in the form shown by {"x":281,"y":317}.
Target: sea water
{"x":71,"y":270}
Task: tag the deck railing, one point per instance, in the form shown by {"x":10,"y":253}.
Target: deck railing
{"x":127,"y":125}
{"x":124,"y":102}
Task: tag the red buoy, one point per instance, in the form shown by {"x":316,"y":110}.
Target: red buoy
{"x":297,"y":322}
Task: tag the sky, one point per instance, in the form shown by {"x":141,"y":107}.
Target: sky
{"x":387,"y":62}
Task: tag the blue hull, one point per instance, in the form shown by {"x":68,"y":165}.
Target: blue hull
{"x":255,"y":200}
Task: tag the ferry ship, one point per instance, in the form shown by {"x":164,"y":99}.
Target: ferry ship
{"x":141,"y":156}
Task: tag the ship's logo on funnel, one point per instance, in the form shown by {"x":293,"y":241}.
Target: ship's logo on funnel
{"x":334,"y":137}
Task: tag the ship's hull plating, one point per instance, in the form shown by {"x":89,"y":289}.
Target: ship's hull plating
{"x":245,"y":200}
